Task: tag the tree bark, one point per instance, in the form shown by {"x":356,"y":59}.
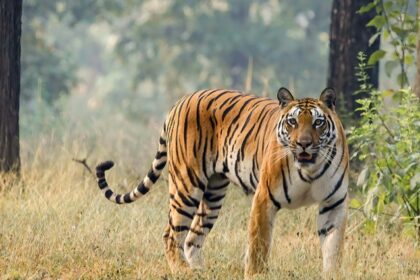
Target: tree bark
{"x":416,"y":87}
{"x":348,"y":36}
{"x":10,"y":32}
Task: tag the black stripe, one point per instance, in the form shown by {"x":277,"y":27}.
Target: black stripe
{"x":195,"y":181}
{"x":162,"y":141}
{"x":152,"y":176}
{"x":329,"y":159}
{"x":161,"y":165}
{"x":342,"y":157}
{"x":100,"y":173}
{"x":172,"y":197}
{"x":325,"y":231}
{"x":186,"y":201}
{"x":275,"y":202}
{"x":212,"y":198}
{"x":288,"y":169}
{"x":212,"y":217}
{"x":127,"y":198}
{"x":245,"y":139}
{"x":225,"y":102}
{"x":215,"y":98}
{"x":219,"y":187}
{"x":303,"y":178}
{"x":186,"y":127}
{"x":208,"y":225}
{"x":231,"y":135}
{"x":142,"y":188}
{"x":102,"y":183}
{"x":331,"y":207}
{"x":243,"y":185}
{"x":251,"y":181}
{"x":183,"y":213}
{"x":201,"y":214}
{"x":227,"y":110}
{"x":179,"y":228}
{"x":159,"y":155}
{"x":196,"y":232}
{"x":285,"y":187}
{"x":204,"y":158}
{"x":198,"y":122}
{"x":216,"y":207}
{"x":338,"y":184}
{"x":118,"y":199}
{"x":108,"y":194}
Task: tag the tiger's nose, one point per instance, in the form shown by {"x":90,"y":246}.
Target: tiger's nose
{"x":304,"y":142}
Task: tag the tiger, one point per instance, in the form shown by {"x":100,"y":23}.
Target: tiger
{"x":287,"y":153}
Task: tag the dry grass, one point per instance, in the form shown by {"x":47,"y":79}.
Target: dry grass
{"x":55,"y":224}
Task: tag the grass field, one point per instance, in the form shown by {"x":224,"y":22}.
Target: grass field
{"x":56,"y":224}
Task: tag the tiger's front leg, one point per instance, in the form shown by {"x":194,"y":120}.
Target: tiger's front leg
{"x":263,"y":211}
{"x":331,"y":227}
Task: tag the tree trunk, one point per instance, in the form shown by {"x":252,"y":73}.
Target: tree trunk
{"x":416,"y":87}
{"x":348,"y":36}
{"x":10,"y":31}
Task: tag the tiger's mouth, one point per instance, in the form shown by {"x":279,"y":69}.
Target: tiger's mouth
{"x":305,"y":157}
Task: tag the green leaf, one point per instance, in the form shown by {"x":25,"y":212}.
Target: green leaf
{"x":378,"y":22}
{"x":376,"y":56}
{"x":415,"y":180}
{"x":412,"y":38}
{"x":385,"y":34}
{"x":409,"y":59}
{"x":367,"y":8}
{"x":390,"y":66}
{"x":369,"y":226}
{"x":402,"y":79}
{"x":355,"y":203}
{"x":373,"y":38}
{"x":361,"y":179}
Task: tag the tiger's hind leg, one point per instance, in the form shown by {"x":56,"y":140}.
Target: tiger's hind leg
{"x":184,"y":201}
{"x":204,"y":219}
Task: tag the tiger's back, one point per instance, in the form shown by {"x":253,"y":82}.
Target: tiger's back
{"x":222,"y":132}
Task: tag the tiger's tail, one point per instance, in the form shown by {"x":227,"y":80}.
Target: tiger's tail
{"x":144,"y":186}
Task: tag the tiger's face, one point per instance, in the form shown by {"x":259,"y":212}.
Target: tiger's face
{"x":306,"y":128}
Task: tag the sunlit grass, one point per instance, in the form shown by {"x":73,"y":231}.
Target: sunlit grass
{"x":56,"y":224}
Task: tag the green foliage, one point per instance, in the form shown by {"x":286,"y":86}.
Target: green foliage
{"x":397,"y":24}
{"x":387,"y":141}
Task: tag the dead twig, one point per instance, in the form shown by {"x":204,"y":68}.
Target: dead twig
{"x":85,"y":164}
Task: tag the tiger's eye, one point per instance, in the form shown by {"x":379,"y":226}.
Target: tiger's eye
{"x":292,"y":121}
{"x":319,"y":122}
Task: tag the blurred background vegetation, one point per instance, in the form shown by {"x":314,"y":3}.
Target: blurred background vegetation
{"x":136,"y":58}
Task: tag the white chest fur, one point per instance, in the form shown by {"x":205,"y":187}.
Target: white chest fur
{"x":304,"y":187}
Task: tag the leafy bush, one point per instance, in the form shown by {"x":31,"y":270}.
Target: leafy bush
{"x":387,"y":141}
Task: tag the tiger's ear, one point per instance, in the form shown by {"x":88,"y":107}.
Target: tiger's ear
{"x":328,"y":97}
{"x":284,"y":96}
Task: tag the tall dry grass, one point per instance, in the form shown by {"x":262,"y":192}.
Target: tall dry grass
{"x":56,"y":224}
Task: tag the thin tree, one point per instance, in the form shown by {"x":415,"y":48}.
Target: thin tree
{"x":10,"y":32}
{"x":348,"y":36}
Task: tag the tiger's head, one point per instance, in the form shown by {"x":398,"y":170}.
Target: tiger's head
{"x":307,"y":126}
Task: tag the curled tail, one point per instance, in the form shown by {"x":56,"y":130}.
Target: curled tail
{"x":144,"y":186}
